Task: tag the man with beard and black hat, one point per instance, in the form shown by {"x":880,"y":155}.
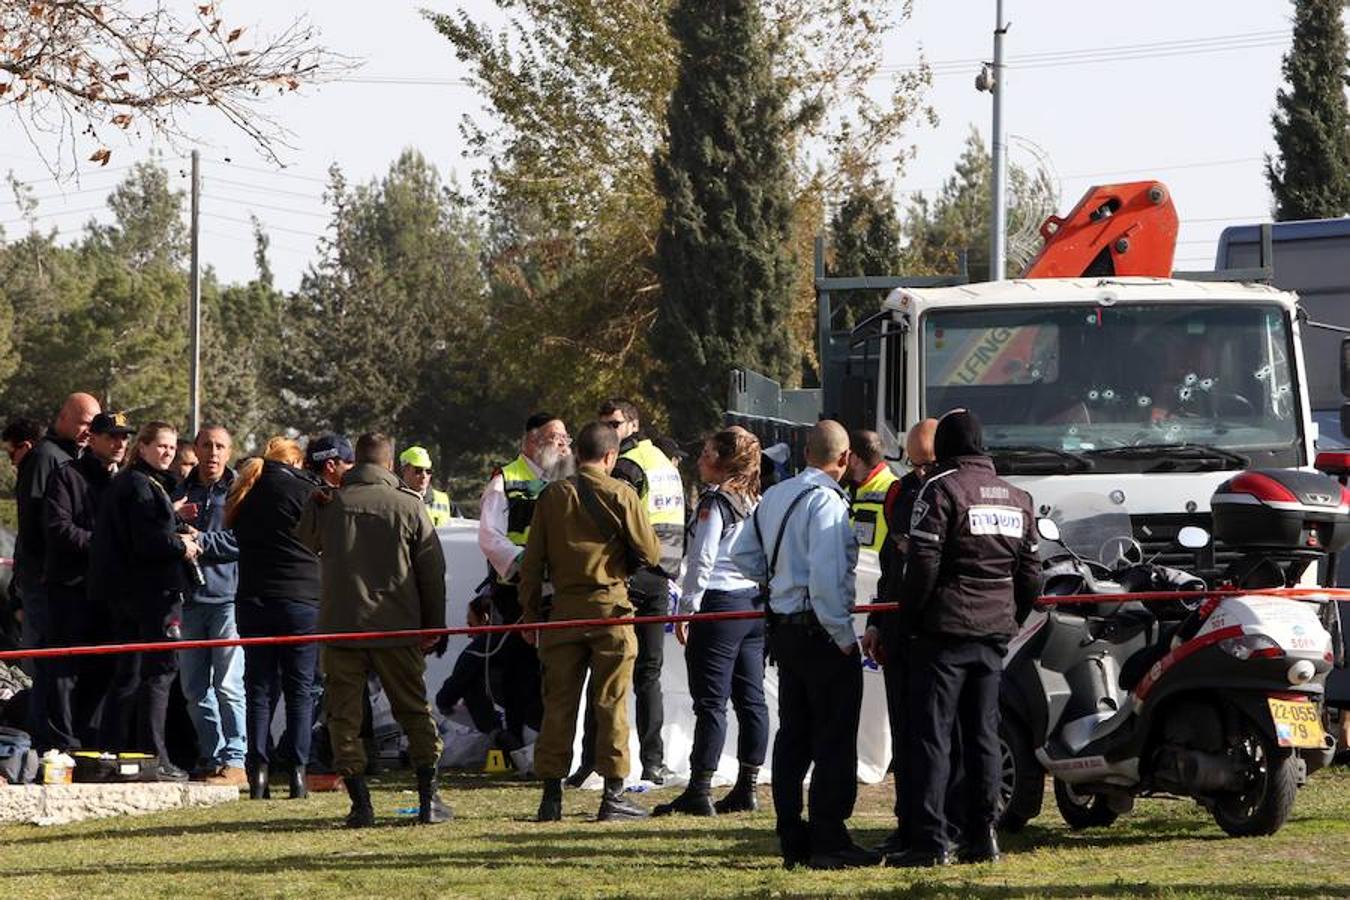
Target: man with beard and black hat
{"x":505,"y":513}
{"x":971,"y":577}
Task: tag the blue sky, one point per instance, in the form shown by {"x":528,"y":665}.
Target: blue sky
{"x":1181,"y":91}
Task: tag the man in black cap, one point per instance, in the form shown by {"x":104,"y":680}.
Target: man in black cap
{"x":329,"y":456}
{"x":70,"y":504}
{"x":970,"y":578}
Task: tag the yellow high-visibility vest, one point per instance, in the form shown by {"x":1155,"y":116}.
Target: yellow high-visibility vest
{"x":523,"y":488}
{"x":664,"y":493}
{"x":869,"y":508}
{"x":438,"y":506}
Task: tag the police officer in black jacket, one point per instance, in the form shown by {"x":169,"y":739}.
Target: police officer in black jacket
{"x":971,"y":577}
{"x":139,"y":566}
{"x":70,"y":507}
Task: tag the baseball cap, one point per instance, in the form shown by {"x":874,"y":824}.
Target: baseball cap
{"x":111,"y":423}
{"x":328,"y":446}
{"x":415,"y":456}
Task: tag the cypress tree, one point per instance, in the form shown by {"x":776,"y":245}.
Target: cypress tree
{"x":865,"y":233}
{"x":723,"y":253}
{"x":1310,"y":177}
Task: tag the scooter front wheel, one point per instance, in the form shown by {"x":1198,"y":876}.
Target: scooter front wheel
{"x":1082,"y":810}
{"x":1265,"y":802}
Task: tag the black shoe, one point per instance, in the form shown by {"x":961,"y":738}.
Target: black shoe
{"x":169,"y":772}
{"x":578,"y":778}
{"x":362,"y":814}
{"x":299,"y":789}
{"x":550,"y":805}
{"x":657,"y":774}
{"x":616,"y":807}
{"x":981,"y":848}
{"x":918,"y":858}
{"x":693,"y":802}
{"x":893,"y":844}
{"x":257,"y":781}
{"x":848,"y":857}
{"x":430,"y":809}
{"x":742,"y":797}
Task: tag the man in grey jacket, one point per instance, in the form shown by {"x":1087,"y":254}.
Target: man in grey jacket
{"x":213,"y":680}
{"x":382,"y":569}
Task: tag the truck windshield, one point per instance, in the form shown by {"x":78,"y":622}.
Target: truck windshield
{"x":1078,"y":381}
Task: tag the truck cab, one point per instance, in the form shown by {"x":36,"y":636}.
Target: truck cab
{"x":1149,"y":391}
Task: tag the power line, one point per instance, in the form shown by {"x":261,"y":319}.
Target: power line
{"x":245,"y":186}
{"x":284,"y":209}
{"x":309,"y":234}
{"x":52,"y":215}
{"x":262,"y":171}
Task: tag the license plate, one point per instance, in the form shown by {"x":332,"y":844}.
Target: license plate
{"x":1298,"y":723}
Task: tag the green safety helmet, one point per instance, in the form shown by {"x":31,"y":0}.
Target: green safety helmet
{"x":415,"y":456}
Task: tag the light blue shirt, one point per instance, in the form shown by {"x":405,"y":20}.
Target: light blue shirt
{"x":819,"y":554}
{"x":708,"y":564}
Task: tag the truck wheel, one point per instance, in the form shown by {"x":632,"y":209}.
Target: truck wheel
{"x":1022,"y":780}
{"x":1268,"y":797}
{"x":1082,"y":810}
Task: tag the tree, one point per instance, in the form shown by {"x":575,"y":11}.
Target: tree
{"x":1310,"y":176}
{"x":865,"y":240}
{"x":387,"y":328}
{"x":723,"y":252}
{"x":80,"y":69}
{"x":956,"y":221}
{"x":577,"y":92}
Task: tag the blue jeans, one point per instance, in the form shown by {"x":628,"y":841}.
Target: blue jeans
{"x":726,"y":661}
{"x":271,"y":670}
{"x":213,"y":683}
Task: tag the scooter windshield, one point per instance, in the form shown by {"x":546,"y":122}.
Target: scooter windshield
{"x":1094,"y":528}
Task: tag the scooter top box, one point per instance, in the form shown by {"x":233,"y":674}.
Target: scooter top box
{"x":1282,"y":509}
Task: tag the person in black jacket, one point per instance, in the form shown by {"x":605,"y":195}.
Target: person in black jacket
{"x":278,"y":594}
{"x":139,"y":568}
{"x":63,"y":442}
{"x":971,"y":577}
{"x":70,"y":507}
{"x":886,"y":639}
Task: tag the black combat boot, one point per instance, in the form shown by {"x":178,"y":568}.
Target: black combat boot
{"x":695,"y":801}
{"x":299,"y":790}
{"x":550,"y":806}
{"x":616,"y":807}
{"x":257,"y":780}
{"x":982,"y":846}
{"x":362,"y":814}
{"x":741,"y":797}
{"x":430,"y":810}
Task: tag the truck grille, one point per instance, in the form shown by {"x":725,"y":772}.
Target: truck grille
{"x":1157,"y":536}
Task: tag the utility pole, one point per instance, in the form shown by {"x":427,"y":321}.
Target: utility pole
{"x":195,"y":306}
{"x":998,"y":230}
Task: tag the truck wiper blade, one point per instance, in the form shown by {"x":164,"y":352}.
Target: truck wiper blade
{"x":1031,"y":453}
{"x":1203,"y":452}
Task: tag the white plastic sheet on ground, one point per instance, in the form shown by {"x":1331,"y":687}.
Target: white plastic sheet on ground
{"x":465,"y":568}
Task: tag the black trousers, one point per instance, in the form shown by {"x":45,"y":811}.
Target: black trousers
{"x":726,"y":661}
{"x":650,"y":714}
{"x":955,"y":683}
{"x":468,"y":682}
{"x":79,"y":683}
{"x":137,"y":703}
{"x":819,"y":704}
{"x":274,"y":671}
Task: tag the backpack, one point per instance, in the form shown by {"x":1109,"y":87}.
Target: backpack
{"x":18,"y":760}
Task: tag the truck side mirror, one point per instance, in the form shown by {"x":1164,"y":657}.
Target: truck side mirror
{"x":1345,"y":367}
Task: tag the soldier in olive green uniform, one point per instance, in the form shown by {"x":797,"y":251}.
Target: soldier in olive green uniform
{"x":589,"y":534}
{"x":382,"y":570}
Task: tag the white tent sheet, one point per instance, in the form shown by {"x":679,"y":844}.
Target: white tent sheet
{"x":465,"y":568}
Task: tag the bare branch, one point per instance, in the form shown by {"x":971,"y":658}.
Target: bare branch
{"x":70,"y":67}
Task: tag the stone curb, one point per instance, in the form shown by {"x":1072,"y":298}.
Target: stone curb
{"x":60,"y":804}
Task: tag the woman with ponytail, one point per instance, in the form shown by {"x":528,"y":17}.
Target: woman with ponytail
{"x":725,"y":659}
{"x":278,"y":595}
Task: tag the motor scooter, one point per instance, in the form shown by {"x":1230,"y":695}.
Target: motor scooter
{"x":1218,"y":699}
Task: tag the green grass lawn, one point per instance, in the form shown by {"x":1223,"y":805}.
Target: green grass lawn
{"x":282,"y":848}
